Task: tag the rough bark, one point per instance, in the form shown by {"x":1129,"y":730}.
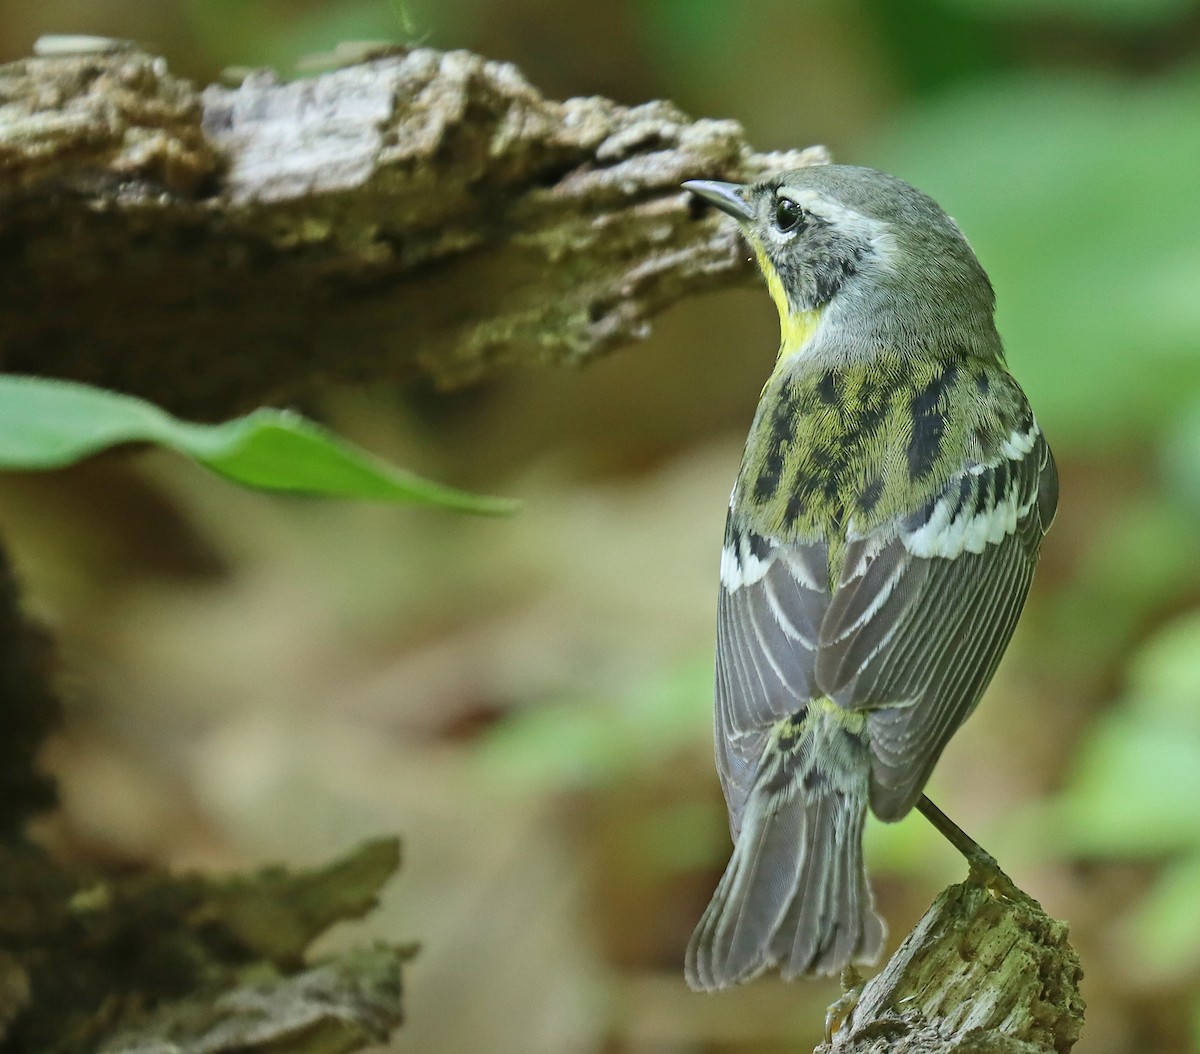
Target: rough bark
{"x":422,"y":211}
{"x":985,"y":971}
{"x":191,"y":965}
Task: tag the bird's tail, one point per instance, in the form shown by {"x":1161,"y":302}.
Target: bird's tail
{"x":795,"y":893}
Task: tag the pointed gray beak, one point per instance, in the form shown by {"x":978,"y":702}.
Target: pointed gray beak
{"x":728,"y":197}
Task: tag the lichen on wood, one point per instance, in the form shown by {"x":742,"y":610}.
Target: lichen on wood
{"x":420,"y":212}
{"x":985,"y":971}
{"x":338,"y":1006}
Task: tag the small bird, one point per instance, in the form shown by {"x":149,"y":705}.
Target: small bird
{"x":881,"y":539}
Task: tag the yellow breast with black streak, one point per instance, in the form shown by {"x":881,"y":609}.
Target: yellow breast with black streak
{"x":839,"y":450}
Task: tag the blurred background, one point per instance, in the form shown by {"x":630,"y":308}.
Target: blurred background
{"x":527,"y":702}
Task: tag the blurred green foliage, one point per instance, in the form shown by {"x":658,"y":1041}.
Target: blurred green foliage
{"x":1140,"y":558}
{"x":281,"y":35}
{"x":585,"y":742}
{"x":1134,"y":787}
{"x":1079,"y":194}
{"x":1110,"y":14}
{"x":1134,"y":791}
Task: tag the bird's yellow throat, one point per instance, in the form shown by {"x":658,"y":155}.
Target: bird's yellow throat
{"x":795,"y":327}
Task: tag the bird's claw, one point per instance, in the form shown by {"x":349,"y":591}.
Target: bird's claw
{"x":841,"y":1008}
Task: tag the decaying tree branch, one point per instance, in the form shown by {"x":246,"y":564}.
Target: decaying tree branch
{"x":423,"y":211}
{"x":148,"y":964}
{"x":985,"y":971}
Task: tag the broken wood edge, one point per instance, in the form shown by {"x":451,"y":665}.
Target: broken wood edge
{"x":984,"y":971}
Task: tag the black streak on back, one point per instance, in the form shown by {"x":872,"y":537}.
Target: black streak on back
{"x":782,"y":431}
{"x":929,"y":421}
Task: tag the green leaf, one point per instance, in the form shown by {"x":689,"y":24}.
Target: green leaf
{"x":48,"y":424}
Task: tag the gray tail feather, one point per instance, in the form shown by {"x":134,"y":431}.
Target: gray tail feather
{"x":795,"y":894}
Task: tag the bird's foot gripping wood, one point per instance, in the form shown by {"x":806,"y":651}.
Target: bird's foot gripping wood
{"x":843,"y":1006}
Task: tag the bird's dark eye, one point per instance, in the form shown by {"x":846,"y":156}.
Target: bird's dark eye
{"x":788,"y":215}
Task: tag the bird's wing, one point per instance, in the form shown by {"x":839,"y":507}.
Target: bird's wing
{"x":925,"y":606}
{"x":770,"y":607}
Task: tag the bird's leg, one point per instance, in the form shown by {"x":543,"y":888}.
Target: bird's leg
{"x":984,"y":868}
{"x":841,"y":1008}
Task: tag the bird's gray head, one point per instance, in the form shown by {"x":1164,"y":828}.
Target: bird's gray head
{"x":867,"y":250}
